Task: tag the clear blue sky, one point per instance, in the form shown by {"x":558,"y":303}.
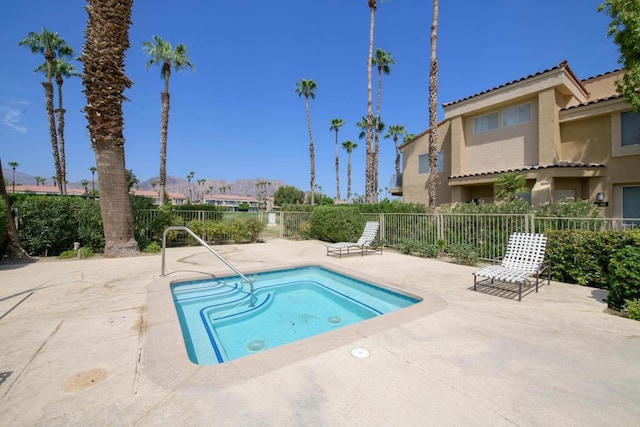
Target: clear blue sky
{"x":236,"y":116}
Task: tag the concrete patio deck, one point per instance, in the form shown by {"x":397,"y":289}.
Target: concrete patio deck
{"x":94,"y":344}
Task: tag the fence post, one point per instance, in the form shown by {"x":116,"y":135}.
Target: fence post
{"x":531,"y":223}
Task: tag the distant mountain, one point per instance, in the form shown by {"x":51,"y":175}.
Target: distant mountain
{"x":240,"y":187}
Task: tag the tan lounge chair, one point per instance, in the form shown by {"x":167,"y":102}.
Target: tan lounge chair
{"x":363,"y":244}
{"x":523,"y":260}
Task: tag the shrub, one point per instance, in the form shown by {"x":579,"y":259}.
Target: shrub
{"x":85,"y":252}
{"x":584,"y":257}
{"x":152,"y":248}
{"x":3,"y":228}
{"x":89,"y":221}
{"x":579,"y":256}
{"x":406,"y":246}
{"x":238,"y":231}
{"x":463,"y":253}
{"x":68,"y":254}
{"x":632,"y":308}
{"x":254,"y":228}
{"x":624,"y":276}
{"x":46,"y":224}
{"x":336,"y":225}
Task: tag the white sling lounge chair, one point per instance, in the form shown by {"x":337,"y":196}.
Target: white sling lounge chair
{"x":524,"y":259}
{"x":363,"y":244}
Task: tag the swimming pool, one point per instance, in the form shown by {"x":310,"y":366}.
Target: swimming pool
{"x":219,"y":324}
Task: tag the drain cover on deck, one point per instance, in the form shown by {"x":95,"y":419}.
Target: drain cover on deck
{"x":83,"y":380}
{"x":360,"y":353}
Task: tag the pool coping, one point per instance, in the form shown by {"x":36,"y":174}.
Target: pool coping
{"x":164,"y":356}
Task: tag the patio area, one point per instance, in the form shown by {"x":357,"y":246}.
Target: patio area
{"x":95,"y":344}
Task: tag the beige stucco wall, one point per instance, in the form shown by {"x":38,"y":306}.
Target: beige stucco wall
{"x":601,"y":86}
{"x":596,"y":140}
{"x":413,"y":184}
{"x":503,"y":148}
{"x":586,"y":140}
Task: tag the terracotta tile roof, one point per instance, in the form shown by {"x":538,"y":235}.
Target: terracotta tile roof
{"x":602,"y":75}
{"x":424,"y":132}
{"x":595,"y":101}
{"x":230,"y":197}
{"x":562,"y":164}
{"x":563,"y":65}
{"x":44,"y":189}
{"x":155,"y":194}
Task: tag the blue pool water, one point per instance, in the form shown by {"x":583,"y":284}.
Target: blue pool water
{"x":218,"y":324}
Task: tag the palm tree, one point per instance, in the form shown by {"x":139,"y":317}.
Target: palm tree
{"x":161,"y":53}
{"x":93,"y":170}
{"x":509,"y":185}
{"x":305,"y":88}
{"x":335,"y":125}
{"x":378,"y":127}
{"x":12,"y":242}
{"x":153,"y":184}
{"x":349,"y":146}
{"x":13,"y":165}
{"x":396,"y":131}
{"x":190,"y":176}
{"x":382,"y":60}
{"x":62,"y":70}
{"x":368,"y":182}
{"x":85,"y":184}
{"x":50,"y":45}
{"x":37,"y":178}
{"x":432,"y":181}
{"x":106,"y":40}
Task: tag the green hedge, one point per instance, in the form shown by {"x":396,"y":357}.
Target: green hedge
{"x":602,"y":259}
{"x":336,"y":224}
{"x":49,"y":225}
{"x":3,"y":228}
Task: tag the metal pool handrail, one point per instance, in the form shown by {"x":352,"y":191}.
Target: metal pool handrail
{"x":252,"y":300}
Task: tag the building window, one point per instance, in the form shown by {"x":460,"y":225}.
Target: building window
{"x":486,"y":122}
{"x":423,"y":163}
{"x":631,"y":204}
{"x":516,"y":115}
{"x":630,"y":128}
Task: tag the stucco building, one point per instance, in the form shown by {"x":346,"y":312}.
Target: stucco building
{"x":568,"y":137}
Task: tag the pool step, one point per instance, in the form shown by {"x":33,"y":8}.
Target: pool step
{"x":217,"y":292}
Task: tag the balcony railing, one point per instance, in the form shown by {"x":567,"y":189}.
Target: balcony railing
{"x":395,"y":185}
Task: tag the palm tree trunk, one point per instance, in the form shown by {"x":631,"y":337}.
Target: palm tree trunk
{"x":337,"y":169}
{"x":61,"y":152}
{"x":348,"y":177}
{"x":13,"y":242}
{"x":377,"y":137}
{"x":48,"y":95}
{"x":115,"y":205}
{"x":432,"y":181}
{"x":106,"y":40}
{"x":369,"y":131}
{"x":395,"y":142}
{"x":312,"y":159}
{"x":164,"y":129}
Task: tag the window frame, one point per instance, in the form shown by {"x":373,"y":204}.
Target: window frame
{"x":439,"y":163}
{"x":488,"y":123}
{"x":517,"y":108}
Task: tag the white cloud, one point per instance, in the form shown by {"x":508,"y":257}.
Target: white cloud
{"x":11,"y":118}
